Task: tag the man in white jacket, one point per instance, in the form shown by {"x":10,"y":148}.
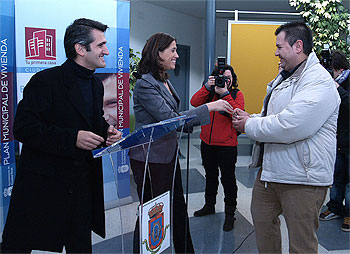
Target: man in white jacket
{"x":295,"y":145}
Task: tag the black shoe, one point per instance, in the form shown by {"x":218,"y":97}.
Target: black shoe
{"x":229,"y":223}
{"x":207,"y":209}
{"x":346,"y":224}
{"x":328,"y":215}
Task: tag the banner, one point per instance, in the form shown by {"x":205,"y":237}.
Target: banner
{"x":40,"y":28}
{"x":118,"y":106}
{"x":7,"y":51}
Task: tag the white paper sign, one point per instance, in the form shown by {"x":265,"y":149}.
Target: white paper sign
{"x":154,"y":217}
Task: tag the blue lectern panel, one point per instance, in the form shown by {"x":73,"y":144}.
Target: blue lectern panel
{"x":142,"y":135}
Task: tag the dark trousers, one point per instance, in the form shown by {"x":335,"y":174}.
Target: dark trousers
{"x":161,"y":176}
{"x":340,"y":190}
{"x":225,"y":158}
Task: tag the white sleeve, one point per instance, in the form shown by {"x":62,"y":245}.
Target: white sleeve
{"x":305,"y":114}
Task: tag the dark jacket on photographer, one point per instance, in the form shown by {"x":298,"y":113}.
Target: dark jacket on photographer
{"x":220,"y":131}
{"x":343,"y":119}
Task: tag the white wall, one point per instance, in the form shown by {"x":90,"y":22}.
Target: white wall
{"x":147,"y":19}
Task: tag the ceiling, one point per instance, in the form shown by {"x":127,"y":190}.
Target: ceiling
{"x":197,"y":8}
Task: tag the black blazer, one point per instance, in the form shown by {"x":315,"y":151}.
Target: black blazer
{"x":47,"y":122}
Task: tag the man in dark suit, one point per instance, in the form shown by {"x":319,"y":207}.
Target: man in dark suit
{"x":57,"y":197}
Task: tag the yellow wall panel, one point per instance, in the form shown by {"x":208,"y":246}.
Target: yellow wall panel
{"x":253,"y":58}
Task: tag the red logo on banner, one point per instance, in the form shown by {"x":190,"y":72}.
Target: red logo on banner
{"x":40,"y":43}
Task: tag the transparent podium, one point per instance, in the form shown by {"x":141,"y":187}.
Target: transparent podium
{"x":157,"y":239}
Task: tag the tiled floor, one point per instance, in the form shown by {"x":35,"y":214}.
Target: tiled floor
{"x":207,"y":233}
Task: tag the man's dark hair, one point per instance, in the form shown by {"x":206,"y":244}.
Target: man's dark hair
{"x":234,"y":76}
{"x":339,"y":60}
{"x":297,"y":30}
{"x":150,"y":60}
{"x":80,"y":32}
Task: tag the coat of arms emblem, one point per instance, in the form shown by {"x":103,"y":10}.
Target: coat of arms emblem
{"x":156,"y":228}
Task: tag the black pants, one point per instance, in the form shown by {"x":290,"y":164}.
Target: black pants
{"x":225,"y":158}
{"x":161,"y":175}
{"x":340,"y":190}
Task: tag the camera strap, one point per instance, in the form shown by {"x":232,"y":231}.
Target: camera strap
{"x":234,"y":93}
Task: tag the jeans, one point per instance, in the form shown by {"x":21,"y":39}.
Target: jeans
{"x":341,"y":187}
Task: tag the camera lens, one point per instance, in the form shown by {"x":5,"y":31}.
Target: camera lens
{"x":220,"y":81}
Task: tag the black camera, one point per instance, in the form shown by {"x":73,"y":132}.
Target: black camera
{"x":326,"y":59}
{"x":220,"y":79}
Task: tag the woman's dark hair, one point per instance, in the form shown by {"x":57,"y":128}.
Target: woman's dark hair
{"x":234,"y":76}
{"x":339,"y":60}
{"x":150,"y":60}
{"x":80,"y":32}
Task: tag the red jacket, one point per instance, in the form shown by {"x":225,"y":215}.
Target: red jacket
{"x":220,"y":131}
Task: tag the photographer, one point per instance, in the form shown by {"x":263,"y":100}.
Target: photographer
{"x":340,"y":188}
{"x":219,"y":141}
